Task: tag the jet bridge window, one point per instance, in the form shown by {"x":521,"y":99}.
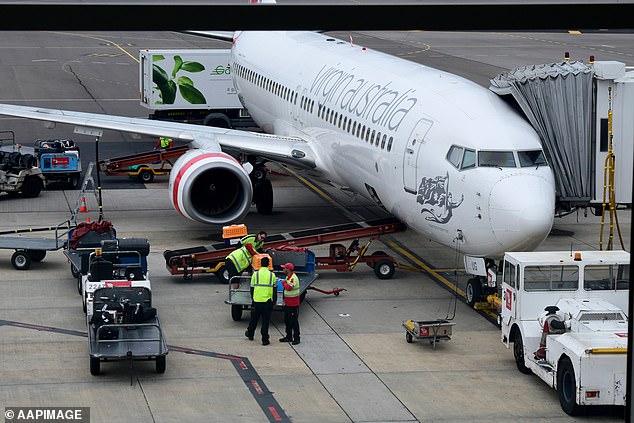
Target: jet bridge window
{"x":606,"y":277}
{"x":532,"y":158}
{"x":551,"y":278}
{"x":496,"y":159}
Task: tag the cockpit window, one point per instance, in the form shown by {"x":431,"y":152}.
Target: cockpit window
{"x":496,"y":159}
{"x":468,"y":159}
{"x":455,"y":155}
{"x":532,"y":158}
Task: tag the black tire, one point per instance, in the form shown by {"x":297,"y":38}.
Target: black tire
{"x":78,"y":279}
{"x":567,"y":387}
{"x":74,"y":271}
{"x":384,"y":269}
{"x":38,"y":255}
{"x":264,"y":197}
{"x":95,"y":365}
{"x":222,"y":274}
{"x":409,"y":338}
{"x":161,"y":364}
{"x":473,"y":291}
{"x":146,"y":176}
{"x":32,"y":186}
{"x":73,"y":180}
{"x":518,"y":353}
{"x":236,"y":312}
{"x":21,"y":260}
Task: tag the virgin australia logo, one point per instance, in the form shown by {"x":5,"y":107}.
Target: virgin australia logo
{"x":434,"y":196}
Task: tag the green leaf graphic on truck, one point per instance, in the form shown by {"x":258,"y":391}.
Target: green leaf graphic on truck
{"x":169,"y":85}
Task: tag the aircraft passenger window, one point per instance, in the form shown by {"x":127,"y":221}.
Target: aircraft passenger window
{"x":378,"y":138}
{"x":345,"y":121}
{"x":454,"y":156}
{"x":367,"y":133}
{"x":389,"y":144}
{"x":532,"y":158}
{"x":468,"y":159}
{"x":372,"y":137}
{"x":496,"y":159}
{"x":354,"y":127}
{"x":340,"y":119}
{"x":349,"y":122}
{"x":383,"y":141}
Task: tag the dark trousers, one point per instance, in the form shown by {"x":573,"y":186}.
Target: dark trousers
{"x":291,"y":320}
{"x":264,"y":310}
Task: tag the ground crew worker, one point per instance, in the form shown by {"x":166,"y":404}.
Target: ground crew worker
{"x":165,"y":142}
{"x":240,"y":259}
{"x":291,"y":304}
{"x":263,"y":295}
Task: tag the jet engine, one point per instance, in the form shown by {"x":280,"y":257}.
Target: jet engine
{"x":210,"y":187}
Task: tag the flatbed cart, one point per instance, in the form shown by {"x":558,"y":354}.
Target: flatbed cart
{"x":125,"y":340}
{"x":210,"y":258}
{"x":143,"y":166}
{"x":431,"y":330}
{"x":28,"y":250}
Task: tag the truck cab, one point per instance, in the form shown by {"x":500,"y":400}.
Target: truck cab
{"x":564,"y":314}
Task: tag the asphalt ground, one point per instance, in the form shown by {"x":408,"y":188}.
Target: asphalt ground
{"x":353,"y":363}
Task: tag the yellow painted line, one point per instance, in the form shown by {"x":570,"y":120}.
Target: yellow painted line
{"x":426,"y":268}
{"x":313,"y":187}
{"x":101,"y":39}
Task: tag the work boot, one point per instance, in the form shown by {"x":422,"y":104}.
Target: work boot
{"x":285,"y":339}
{"x":295,"y":342}
{"x":265,"y":342}
{"x":246,"y":333}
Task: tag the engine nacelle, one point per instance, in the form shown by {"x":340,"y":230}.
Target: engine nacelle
{"x":210,"y":187}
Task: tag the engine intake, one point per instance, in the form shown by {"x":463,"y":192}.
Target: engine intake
{"x":210,"y":187}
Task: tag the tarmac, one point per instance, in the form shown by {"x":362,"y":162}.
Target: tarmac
{"x":353,"y":363}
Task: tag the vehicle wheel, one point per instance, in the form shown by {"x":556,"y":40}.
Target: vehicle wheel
{"x":222,"y":274}
{"x":146,"y":176}
{"x":32,"y":186}
{"x":38,"y":255}
{"x":409,"y":338}
{"x":473,"y":292}
{"x":21,"y":260}
{"x":567,"y":387}
{"x":78,"y":278}
{"x":384,"y":269}
{"x":74,"y":271}
{"x":95,"y":366}
{"x":160,"y":364}
{"x":236,"y":312}
{"x":74,"y":180}
{"x":264,"y":197}
{"x":518,"y":353}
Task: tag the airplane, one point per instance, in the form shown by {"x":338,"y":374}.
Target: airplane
{"x":446,"y":156}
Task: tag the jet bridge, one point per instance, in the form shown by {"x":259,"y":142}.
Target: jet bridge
{"x":567,"y":103}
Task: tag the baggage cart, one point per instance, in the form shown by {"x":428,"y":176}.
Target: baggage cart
{"x":123,"y":339}
{"x":32,"y":249}
{"x":431,"y":330}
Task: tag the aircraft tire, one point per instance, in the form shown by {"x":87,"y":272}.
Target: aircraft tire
{"x":264,"y":197}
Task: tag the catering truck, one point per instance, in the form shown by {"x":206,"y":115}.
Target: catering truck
{"x":565,"y":314}
{"x":192,"y":86}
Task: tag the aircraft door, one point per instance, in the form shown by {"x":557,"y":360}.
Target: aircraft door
{"x":411,"y":153}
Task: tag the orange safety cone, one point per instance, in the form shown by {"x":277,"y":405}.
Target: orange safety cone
{"x":83,"y":208}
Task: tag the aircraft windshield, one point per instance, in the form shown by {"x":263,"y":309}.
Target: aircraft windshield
{"x":496,"y":159}
{"x":531,"y":158}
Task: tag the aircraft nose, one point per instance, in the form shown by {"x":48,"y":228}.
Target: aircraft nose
{"x":522,"y":211}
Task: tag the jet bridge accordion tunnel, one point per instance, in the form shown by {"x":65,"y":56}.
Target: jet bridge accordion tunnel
{"x":567,"y":103}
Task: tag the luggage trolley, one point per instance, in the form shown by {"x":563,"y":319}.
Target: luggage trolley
{"x":432,"y":330}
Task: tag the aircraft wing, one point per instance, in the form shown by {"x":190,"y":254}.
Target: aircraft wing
{"x":290,"y":150}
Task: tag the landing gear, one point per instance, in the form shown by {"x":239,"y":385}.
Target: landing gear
{"x":262,"y":189}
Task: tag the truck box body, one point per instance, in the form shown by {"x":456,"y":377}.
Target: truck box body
{"x":186,"y":80}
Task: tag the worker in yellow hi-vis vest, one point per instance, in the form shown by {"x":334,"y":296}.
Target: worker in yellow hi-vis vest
{"x":263,"y":295}
{"x":240,"y":259}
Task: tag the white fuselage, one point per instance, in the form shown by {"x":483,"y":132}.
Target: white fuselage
{"x":384,"y":126}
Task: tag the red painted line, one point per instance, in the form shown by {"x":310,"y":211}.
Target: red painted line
{"x":229,"y":357}
{"x":275,"y":414}
{"x":189,"y":164}
{"x":32,"y":326}
{"x":257,"y":388}
{"x":242,"y":365}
